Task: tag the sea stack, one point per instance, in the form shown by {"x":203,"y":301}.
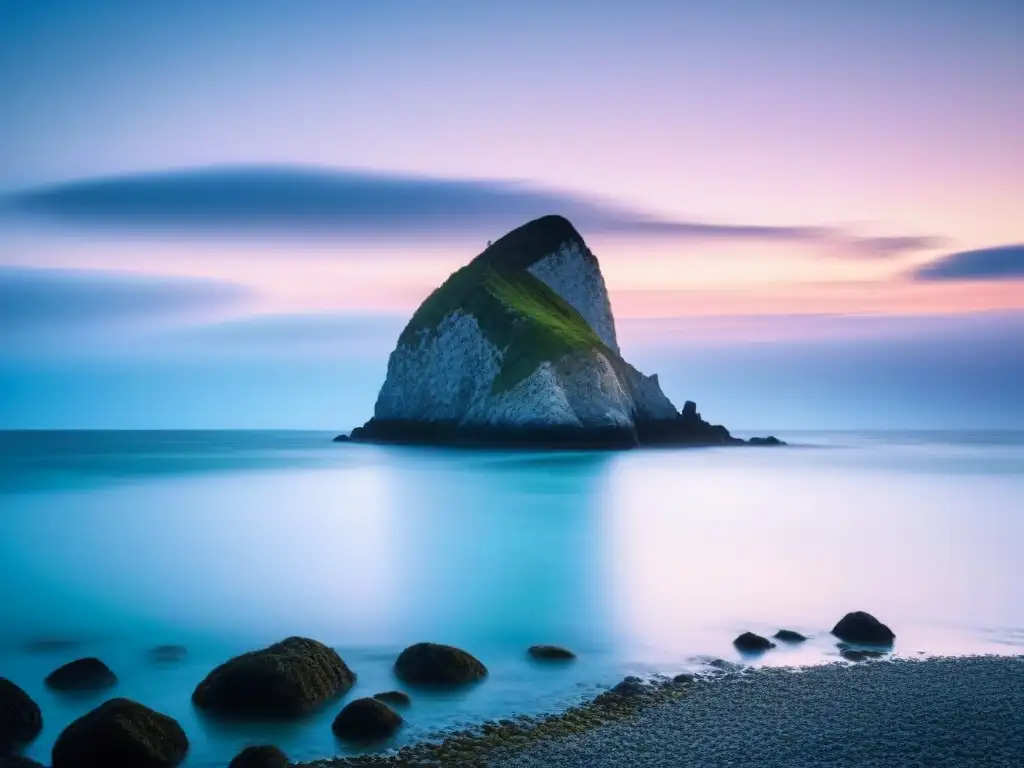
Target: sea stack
{"x":518,"y":348}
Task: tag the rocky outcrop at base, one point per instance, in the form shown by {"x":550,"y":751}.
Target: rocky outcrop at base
{"x":261,"y":756}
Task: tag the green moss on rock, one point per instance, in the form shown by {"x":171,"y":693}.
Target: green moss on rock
{"x":517,"y":313}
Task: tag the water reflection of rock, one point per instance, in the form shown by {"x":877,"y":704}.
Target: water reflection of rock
{"x":501,"y":547}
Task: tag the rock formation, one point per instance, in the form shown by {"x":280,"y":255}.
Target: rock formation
{"x":519,"y":348}
{"x":861,"y":627}
{"x":88,"y":674}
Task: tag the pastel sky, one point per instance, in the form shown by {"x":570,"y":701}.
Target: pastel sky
{"x":808,"y":213}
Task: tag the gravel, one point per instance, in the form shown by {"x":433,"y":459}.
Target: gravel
{"x":892,"y":714}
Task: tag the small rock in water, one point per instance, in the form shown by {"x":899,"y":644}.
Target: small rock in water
{"x":286,"y":679}
{"x":393,"y":697}
{"x":20,"y":718}
{"x":168,"y":653}
{"x":748,"y":642}
{"x":50,"y":644}
{"x":550,"y":653}
{"x":434,"y":664}
{"x":859,"y":654}
{"x":722,"y":665}
{"x":88,"y":674}
{"x":770,"y":440}
{"x":861,"y":627}
{"x":263,"y":756}
{"x":121,"y":733}
{"x":366,"y":720}
{"x":789,"y":636}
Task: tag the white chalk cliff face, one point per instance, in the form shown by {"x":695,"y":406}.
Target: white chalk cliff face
{"x":448,"y":373}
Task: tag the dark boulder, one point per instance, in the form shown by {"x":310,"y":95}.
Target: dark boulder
{"x":433,"y":664}
{"x":550,"y":653}
{"x":861,"y":627}
{"x":789,"y":636}
{"x":748,"y":642}
{"x":168,"y":653}
{"x":393,"y":697}
{"x":20,"y":718}
{"x":121,"y":732}
{"x":721,"y":665}
{"x":366,"y":720}
{"x":684,"y":679}
{"x":88,"y":674}
{"x":287,"y":679}
{"x":263,"y":756}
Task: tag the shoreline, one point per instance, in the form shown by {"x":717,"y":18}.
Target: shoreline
{"x":943,"y":710}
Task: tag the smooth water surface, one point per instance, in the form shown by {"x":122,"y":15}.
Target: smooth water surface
{"x":642,"y":562}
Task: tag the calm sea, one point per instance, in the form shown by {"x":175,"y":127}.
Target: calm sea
{"x":642,"y":562}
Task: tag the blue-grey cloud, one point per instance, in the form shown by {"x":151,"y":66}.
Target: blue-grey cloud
{"x":1004,"y":262}
{"x":68,"y":301}
{"x":303,"y":202}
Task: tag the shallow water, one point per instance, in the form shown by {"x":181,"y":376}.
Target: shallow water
{"x":642,"y":562}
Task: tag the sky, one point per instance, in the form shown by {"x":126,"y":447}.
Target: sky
{"x":220,"y":215}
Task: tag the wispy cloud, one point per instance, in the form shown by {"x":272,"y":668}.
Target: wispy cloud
{"x":1004,"y":262}
{"x":304,"y":202}
{"x":64,"y":304}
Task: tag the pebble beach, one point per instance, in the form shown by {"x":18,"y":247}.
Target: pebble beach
{"x":897,"y":714}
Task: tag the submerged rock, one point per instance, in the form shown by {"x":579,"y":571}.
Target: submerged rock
{"x":168,"y":653}
{"x":50,"y":644}
{"x":121,"y":732}
{"x":289,"y":678}
{"x":20,"y":718}
{"x":748,"y":642}
{"x":393,"y":697}
{"x":89,"y":674}
{"x":263,"y":756}
{"x":861,"y":627}
{"x":789,"y":636}
{"x":434,"y":664}
{"x":519,"y":347}
{"x":366,"y":720}
{"x":550,"y":653}
{"x":860,"y":654}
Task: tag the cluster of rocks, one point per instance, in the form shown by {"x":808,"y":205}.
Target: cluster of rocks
{"x":285,"y":680}
{"x":297,"y":676}
{"x":861,"y":636}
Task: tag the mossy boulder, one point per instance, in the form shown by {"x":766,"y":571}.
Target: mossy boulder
{"x":748,"y":642}
{"x":121,"y":732}
{"x":550,"y":653}
{"x":435,"y":664}
{"x":393,"y":698}
{"x":20,"y":718}
{"x":88,"y":674}
{"x":287,"y":679}
{"x":789,"y":636}
{"x":262,"y":756}
{"x":861,"y":627}
{"x":366,"y":720}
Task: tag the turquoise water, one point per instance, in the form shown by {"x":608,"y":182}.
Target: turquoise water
{"x":643,"y":562}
